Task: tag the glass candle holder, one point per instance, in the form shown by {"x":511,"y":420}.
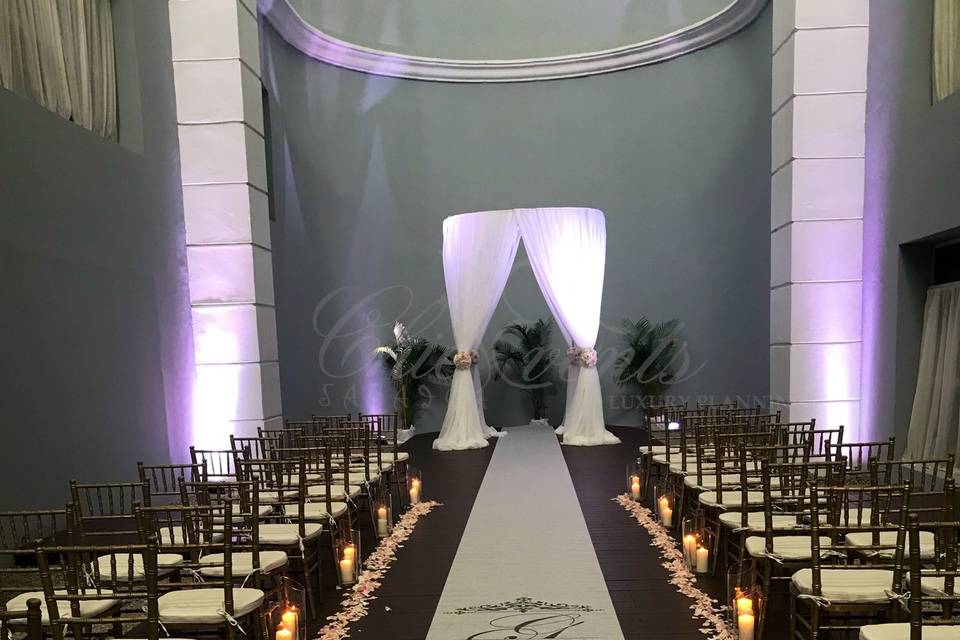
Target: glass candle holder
{"x":745,"y":599}
{"x":382,"y":513}
{"x":414,"y":485}
{"x":634,"y":482}
{"x":664,"y":506}
{"x":690,"y":539}
{"x":293,"y":619}
{"x":347,"y":556}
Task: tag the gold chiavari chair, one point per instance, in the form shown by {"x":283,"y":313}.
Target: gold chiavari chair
{"x":285,"y":482}
{"x":836,"y":593}
{"x":19,"y":531}
{"x":933,"y":596}
{"x":80,"y":597}
{"x":208,"y":600}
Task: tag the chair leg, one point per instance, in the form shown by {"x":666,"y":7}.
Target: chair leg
{"x":766,"y":566}
{"x":793,"y":617}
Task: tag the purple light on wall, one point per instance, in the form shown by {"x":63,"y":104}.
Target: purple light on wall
{"x":216,"y":389}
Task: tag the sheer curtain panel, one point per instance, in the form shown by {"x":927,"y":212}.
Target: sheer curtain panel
{"x":60,"y":54}
{"x":935,"y":421}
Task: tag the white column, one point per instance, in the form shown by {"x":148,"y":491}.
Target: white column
{"x":216,"y":60}
{"x":816,"y":245}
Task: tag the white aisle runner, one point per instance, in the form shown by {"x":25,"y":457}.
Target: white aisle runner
{"x":525,"y":567}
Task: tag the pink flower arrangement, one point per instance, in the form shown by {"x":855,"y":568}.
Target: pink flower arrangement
{"x":463,"y":360}
{"x":715,"y":625}
{"x":588,"y":358}
{"x":573,"y":354}
{"x":356,"y":602}
{"x":474,"y":356}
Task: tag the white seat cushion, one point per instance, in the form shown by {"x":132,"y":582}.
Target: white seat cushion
{"x":316,"y":510}
{"x":336,"y":491}
{"x":901,"y":631}
{"x":243,"y":563}
{"x":201,"y":606}
{"x":88,"y":608}
{"x":789,"y":548}
{"x":166,"y":562}
{"x":934,"y":586}
{"x":401,"y":456}
{"x":287,"y":534}
{"x":691,"y":467}
{"x":262,"y":510}
{"x":848,"y":585}
{"x":755,"y":521}
{"x":658,"y":449}
{"x":709,"y":480}
{"x":731,"y":499}
{"x":863,"y":515}
{"x":865,"y":539}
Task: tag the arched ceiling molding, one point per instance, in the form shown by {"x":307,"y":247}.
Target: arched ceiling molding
{"x":321,"y":46}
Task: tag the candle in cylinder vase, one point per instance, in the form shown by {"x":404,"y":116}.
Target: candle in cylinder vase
{"x":703,"y":560}
{"x":382,"y":522}
{"x":284,"y":634}
{"x":745,"y":625}
{"x":667,"y":517}
{"x":350,"y":551}
{"x":635,"y":490}
{"x":414,"y":491}
{"x":744,"y":605}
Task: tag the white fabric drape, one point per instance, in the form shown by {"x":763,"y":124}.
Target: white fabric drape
{"x":935,"y":420}
{"x":478,"y":253}
{"x":60,"y":53}
{"x":567,"y":250}
{"x":946,"y":48}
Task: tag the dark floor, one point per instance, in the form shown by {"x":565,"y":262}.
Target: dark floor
{"x":647,"y":606}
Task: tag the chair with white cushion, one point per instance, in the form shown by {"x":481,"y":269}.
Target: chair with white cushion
{"x":285,"y":480}
{"x":212,"y":597}
{"x":835,"y":593}
{"x":79,"y":597}
{"x":781,"y":548}
{"x":104,"y":511}
{"x":385,"y":432}
{"x":933,"y":594}
{"x":19,"y":531}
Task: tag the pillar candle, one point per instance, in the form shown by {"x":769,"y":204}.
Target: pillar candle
{"x":382,"y":527}
{"x":414,"y":495}
{"x":744,"y":605}
{"x":289,"y":623}
{"x":667,"y":517}
{"x":346,"y":570}
{"x":745,"y":623}
{"x":690,"y":549}
{"x":635,"y":490}
{"x":703,"y":560}
{"x":350,"y":551}
{"x":284,"y":634}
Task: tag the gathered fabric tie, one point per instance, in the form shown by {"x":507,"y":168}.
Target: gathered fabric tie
{"x":463,"y":360}
{"x":819,"y":600}
{"x":582,"y":357}
{"x":233,"y":622}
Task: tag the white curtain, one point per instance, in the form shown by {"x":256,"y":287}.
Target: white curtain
{"x":567,"y":250}
{"x":60,"y":54}
{"x":935,"y":421}
{"x":946,"y":48}
{"x":478,"y":253}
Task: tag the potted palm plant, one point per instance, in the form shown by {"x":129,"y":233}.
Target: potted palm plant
{"x":648,"y":362}
{"x":413,"y":363}
{"x":525,"y":358}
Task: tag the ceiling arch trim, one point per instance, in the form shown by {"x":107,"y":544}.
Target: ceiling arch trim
{"x":313,"y":42}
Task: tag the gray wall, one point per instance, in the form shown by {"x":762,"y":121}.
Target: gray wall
{"x":912,"y":193}
{"x":96,"y":343}
{"x":365,"y":169}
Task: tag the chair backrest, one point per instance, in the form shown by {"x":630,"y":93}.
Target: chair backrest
{"x":928,"y":479}
{"x":19,"y":532}
{"x":221,"y":464}
{"x":163,"y":480}
{"x":786,"y":493}
{"x":859,"y":454}
{"x":243,"y":496}
{"x":104,"y":510}
{"x":285,"y":437}
{"x":385,"y":428}
{"x":80,"y":578}
{"x":318,"y":467}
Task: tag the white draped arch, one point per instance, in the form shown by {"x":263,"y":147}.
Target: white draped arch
{"x":567,"y":251}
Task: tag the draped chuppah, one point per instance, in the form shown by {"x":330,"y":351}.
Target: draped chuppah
{"x":567,"y":249}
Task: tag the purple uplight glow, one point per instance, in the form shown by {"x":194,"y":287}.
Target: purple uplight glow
{"x":216,"y":388}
